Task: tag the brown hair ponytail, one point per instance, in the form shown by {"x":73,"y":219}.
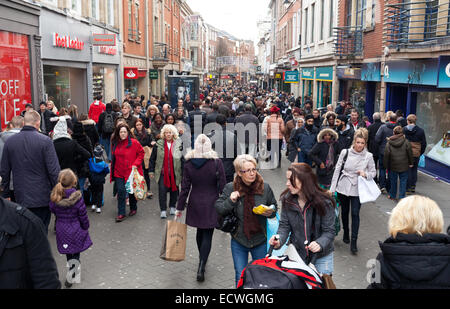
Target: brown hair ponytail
{"x":66,"y":180}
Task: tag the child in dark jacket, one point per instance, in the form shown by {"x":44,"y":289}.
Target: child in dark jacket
{"x":99,"y":169}
{"x":72,"y":222}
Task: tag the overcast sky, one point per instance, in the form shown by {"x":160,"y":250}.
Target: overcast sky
{"x":237,"y":17}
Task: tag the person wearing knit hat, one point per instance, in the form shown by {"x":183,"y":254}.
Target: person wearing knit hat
{"x":305,"y":139}
{"x":203,"y":180}
{"x":60,"y":129}
{"x":99,"y":169}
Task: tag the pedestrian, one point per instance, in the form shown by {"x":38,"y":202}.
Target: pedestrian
{"x":305,"y":140}
{"x":90,"y":128}
{"x":329,"y":121}
{"x":72,"y":222}
{"x":46,"y":125}
{"x":290,"y":126}
{"x":293,"y":150}
{"x":353,"y":162}
{"x":386,"y":130}
{"x":157,"y":125}
{"x":416,"y":137}
{"x":197,"y":121}
{"x":203,"y":181}
{"x":37,"y":167}
{"x":325,"y":154}
{"x":416,"y":255}
{"x":26,"y":260}
{"x":340,"y":109}
{"x":144,"y":137}
{"x":170,"y":119}
{"x":96,"y":108}
{"x":246,"y":128}
{"x":398,"y":158}
{"x":373,"y":147}
{"x":345,"y":131}
{"x":355,"y":120}
{"x":126,"y":114}
{"x":152,"y":110}
{"x":247,"y":191}
{"x":127,"y":155}
{"x":307,"y":217}
{"x":105,"y":126}
{"x":317,"y":119}
{"x":73,"y":113}
{"x":275,"y":133}
{"x":98,"y":171}
{"x":166,"y":167}
{"x":51,"y":107}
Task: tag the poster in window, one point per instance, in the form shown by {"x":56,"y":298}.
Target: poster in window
{"x":180,"y":86}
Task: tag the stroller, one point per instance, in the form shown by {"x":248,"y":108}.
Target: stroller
{"x":288,"y":271}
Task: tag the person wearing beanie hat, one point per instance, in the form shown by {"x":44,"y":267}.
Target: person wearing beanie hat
{"x":305,"y":139}
{"x":345,"y":132}
{"x":97,"y":178}
{"x":203,"y":180}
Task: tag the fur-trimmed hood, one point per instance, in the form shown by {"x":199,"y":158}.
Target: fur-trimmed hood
{"x":202,"y":149}
{"x":88,"y":122}
{"x":73,"y":198}
{"x":325,"y":120}
{"x":329,"y":131}
{"x":57,"y":118}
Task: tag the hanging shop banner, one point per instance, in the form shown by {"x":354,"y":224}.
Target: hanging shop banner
{"x":324,"y":74}
{"x":103,"y":39}
{"x":308,"y":73}
{"x":415,"y":72}
{"x":131,"y":73}
{"x":371,"y":72}
{"x":15,"y":79}
{"x":444,"y":72}
{"x":181,"y":85}
{"x":153,"y":74}
{"x":278,"y":76}
{"x":349,"y":73}
{"x":291,"y":77}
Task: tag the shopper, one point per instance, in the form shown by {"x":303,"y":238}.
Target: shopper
{"x":275,"y":133}
{"x":307,"y":216}
{"x":417,"y":253}
{"x":166,"y":168}
{"x":305,"y":140}
{"x":144,"y":137}
{"x":246,"y":192}
{"x":353,"y":162}
{"x":203,"y":181}
{"x":98,"y":171}
{"x":398,"y":158}
{"x":96,"y":108}
{"x":72,"y":222}
{"x":105,"y":126}
{"x":127,"y":154}
{"x":293,"y":150}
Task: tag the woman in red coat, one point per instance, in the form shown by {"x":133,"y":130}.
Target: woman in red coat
{"x":127,"y":154}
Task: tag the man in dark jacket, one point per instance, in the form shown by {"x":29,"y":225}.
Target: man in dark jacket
{"x":197,"y":121}
{"x":37,"y":167}
{"x":46,"y":125}
{"x":247,"y":138}
{"x":105,"y":124}
{"x":211,"y":117}
{"x":26,"y":260}
{"x":385,"y":131}
{"x":373,"y":147}
{"x":416,"y":136}
{"x":345,"y":132}
{"x":305,"y":140}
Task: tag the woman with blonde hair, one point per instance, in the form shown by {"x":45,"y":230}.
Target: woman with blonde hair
{"x":353,"y":162}
{"x":51,"y":107}
{"x":166,"y":167}
{"x":72,"y":222}
{"x":417,"y":253}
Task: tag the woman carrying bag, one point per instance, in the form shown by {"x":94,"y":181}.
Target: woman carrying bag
{"x":203,"y":181}
{"x":353,"y":162}
{"x":246,"y":192}
{"x":144,"y":137}
{"x":308,"y":217}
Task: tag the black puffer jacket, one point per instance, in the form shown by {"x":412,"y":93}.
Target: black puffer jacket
{"x":415,"y":262}
{"x":26,"y":261}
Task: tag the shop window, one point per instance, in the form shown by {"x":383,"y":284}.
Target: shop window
{"x":361,"y":13}
{"x":110,"y":14}
{"x":95,"y":9}
{"x":136,"y":16}
{"x":130,"y":19}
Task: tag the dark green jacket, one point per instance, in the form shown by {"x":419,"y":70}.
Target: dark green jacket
{"x":157,"y":160}
{"x":224,"y":206}
{"x":398,"y":154}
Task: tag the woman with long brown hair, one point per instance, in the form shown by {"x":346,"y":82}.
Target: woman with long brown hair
{"x":308,"y":216}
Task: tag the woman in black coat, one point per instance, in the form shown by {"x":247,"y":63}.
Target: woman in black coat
{"x":145,"y":138}
{"x":89,"y":129}
{"x":417,"y":254}
{"x":325,"y":154}
{"x":81,"y":162}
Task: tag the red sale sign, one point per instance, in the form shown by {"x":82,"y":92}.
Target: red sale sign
{"x":15,"y":80}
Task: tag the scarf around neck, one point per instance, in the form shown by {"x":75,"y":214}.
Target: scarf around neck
{"x":251,"y":222}
{"x":169,"y":175}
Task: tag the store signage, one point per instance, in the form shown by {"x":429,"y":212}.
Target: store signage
{"x":66,"y":41}
{"x":278,"y":76}
{"x":153,"y":74}
{"x":131,"y":73}
{"x":324,"y":74}
{"x":444,"y":72}
{"x":291,"y":77}
{"x":107,"y":50}
{"x":308,"y":73}
{"x":371,"y":72}
{"x":103,"y":39}
{"x":15,"y":78}
{"x":349,"y":73}
{"x":415,"y":72}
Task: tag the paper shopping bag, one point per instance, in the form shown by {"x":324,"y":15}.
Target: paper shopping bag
{"x":174,"y":241}
{"x":368,"y":190}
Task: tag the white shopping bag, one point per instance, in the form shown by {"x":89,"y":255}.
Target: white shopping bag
{"x":129,"y":183}
{"x":368,"y":190}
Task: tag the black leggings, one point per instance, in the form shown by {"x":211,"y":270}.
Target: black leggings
{"x":204,"y":242}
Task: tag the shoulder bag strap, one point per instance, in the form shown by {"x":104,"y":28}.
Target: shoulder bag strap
{"x":343,"y":165}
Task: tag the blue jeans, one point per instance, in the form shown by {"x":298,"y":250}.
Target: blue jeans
{"x":106,"y":143}
{"x":240,"y":256}
{"x":403,"y":180}
{"x":325,"y":265}
{"x":304,"y":158}
{"x":122,"y":195}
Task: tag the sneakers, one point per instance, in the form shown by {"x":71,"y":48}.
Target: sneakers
{"x":93,"y":208}
{"x":163,"y":214}
{"x":120,"y":218}
{"x":98,"y":210}
{"x":132,"y":213}
{"x":172,"y":211}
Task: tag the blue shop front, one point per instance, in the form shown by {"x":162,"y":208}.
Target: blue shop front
{"x":422,"y":87}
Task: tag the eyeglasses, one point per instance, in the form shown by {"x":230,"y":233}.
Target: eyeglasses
{"x":252,"y":171}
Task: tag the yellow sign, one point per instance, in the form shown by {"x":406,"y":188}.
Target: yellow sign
{"x":278,"y":76}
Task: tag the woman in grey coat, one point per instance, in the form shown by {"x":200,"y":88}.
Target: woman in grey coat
{"x":307,"y":217}
{"x":353,"y":162}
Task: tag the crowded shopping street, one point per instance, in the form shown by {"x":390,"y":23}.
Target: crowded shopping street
{"x":184,"y":145}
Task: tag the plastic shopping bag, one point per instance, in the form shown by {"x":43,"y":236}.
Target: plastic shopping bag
{"x":139,"y":186}
{"x":129,"y":183}
{"x":272,"y":229}
{"x":422,"y":161}
{"x":368,"y":190}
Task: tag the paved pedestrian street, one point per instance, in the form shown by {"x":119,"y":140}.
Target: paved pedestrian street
{"x":126,"y":255}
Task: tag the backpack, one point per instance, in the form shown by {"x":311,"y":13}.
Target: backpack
{"x":108,"y":123}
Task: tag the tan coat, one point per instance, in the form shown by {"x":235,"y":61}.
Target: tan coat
{"x":275,"y":127}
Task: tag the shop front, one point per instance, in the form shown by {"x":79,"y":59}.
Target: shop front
{"x":324,"y":84}
{"x":371,"y":74}
{"x":422,"y":87}
{"x":20,"y":79}
{"x":135,"y":77}
{"x":66,"y":60}
{"x":351,"y":88}
{"x":307,"y":78}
